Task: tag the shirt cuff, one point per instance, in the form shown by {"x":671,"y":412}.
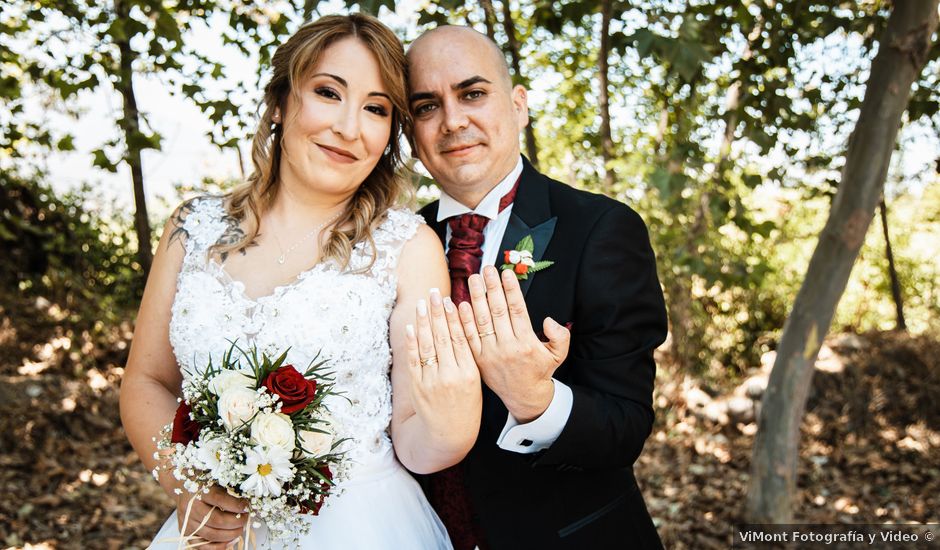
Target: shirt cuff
{"x":540,"y":433}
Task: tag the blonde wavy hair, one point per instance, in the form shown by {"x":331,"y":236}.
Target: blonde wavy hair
{"x":382,"y":189}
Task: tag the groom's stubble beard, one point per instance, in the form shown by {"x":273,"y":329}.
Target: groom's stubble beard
{"x":464,"y":179}
{"x":452,"y":141}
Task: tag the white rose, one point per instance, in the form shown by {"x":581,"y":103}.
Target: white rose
{"x":228,"y":379}
{"x":315,"y":444}
{"x":514,"y":256}
{"x":273,"y":430}
{"x":237,"y":406}
{"x":525,"y":258}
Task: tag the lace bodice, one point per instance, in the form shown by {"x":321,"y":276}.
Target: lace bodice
{"x":344,"y":316}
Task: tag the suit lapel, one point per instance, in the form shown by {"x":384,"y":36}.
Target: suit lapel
{"x":516,"y":231}
{"x":430,"y":216}
{"x":531,"y":215}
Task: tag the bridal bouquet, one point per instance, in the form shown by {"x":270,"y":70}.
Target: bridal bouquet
{"x":258,"y":428}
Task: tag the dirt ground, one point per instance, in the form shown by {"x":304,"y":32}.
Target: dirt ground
{"x":870,"y":450}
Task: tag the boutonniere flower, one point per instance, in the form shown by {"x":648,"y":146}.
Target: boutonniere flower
{"x":520,"y":260}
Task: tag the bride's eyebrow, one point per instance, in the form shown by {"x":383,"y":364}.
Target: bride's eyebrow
{"x":344,"y":84}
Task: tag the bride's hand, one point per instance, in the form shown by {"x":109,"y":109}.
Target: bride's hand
{"x":446,"y":386}
{"x":226,"y":522}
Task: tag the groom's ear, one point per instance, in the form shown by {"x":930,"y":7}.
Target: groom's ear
{"x":520,"y":101}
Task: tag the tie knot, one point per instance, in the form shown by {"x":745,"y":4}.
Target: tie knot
{"x":468,"y":223}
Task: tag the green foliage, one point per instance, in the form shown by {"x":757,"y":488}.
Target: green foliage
{"x":60,"y":49}
{"x":715,"y":105}
{"x":373,"y":6}
{"x":914,"y":229}
{"x":729,"y":123}
{"x":57,"y":248}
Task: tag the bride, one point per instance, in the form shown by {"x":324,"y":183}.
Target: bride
{"x":313,"y":254}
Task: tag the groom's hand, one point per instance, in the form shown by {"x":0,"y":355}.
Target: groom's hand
{"x":512,"y":360}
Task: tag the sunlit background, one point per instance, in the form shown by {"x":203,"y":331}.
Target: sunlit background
{"x":726,"y":128}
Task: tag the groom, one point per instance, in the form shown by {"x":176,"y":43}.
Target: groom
{"x":563,"y":421}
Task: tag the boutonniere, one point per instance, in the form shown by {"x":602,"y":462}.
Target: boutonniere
{"x":520,"y":260}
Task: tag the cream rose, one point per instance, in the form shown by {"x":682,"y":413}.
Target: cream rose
{"x":315,"y":443}
{"x":237,"y":406}
{"x":273,"y":430}
{"x":228,"y":379}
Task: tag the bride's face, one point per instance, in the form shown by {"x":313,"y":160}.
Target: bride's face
{"x":337,"y":130}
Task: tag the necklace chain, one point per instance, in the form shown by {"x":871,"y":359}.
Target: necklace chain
{"x":315,"y":231}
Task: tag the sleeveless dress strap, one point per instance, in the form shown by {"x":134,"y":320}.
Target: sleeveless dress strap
{"x":399,"y":226}
{"x":204,"y":221}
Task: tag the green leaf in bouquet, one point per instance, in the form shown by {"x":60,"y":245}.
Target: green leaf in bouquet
{"x":280,"y":360}
{"x":315,"y":366}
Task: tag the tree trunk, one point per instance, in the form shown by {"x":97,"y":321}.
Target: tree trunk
{"x":241,"y":161}
{"x":892,"y":270}
{"x":510,"y":29}
{"x":130,"y":126}
{"x":661,"y":129}
{"x":489,"y":18}
{"x":733,"y":99}
{"x":901,"y":56}
{"x":607,"y":142}
{"x":686,"y":331}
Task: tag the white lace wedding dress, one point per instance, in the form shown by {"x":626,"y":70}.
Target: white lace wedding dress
{"x":344,"y":317}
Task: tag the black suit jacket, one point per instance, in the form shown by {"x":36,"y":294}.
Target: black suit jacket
{"x":580,"y":493}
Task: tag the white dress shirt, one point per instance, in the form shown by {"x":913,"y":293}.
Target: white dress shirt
{"x":540,"y":433}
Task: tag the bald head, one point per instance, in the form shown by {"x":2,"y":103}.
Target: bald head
{"x":462,"y":40}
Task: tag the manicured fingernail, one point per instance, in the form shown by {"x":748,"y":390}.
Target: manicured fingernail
{"x":410,"y":329}
{"x":448,"y":305}
{"x":489,"y":271}
{"x":422,"y":307}
{"x":435,"y":297}
{"x":475,"y":282}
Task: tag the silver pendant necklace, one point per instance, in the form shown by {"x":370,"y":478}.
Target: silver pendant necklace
{"x":315,"y":231}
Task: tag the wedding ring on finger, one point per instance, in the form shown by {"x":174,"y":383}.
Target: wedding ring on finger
{"x":430,"y":361}
{"x":487,"y":333}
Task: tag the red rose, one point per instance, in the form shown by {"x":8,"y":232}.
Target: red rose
{"x":312,"y":507}
{"x":185,"y":429}
{"x":521,"y":269}
{"x":506,"y":256}
{"x":295,"y":391}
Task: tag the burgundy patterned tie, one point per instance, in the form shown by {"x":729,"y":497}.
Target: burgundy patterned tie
{"x":448,"y":491}
{"x":465,"y":250}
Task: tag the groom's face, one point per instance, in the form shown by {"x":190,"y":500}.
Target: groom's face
{"x":467,"y":114}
